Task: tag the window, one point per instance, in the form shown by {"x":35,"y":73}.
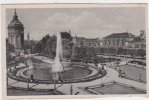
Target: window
{"x":105,"y":42}
{"x":109,"y":42}
{"x":122,"y":42}
{"x":89,"y":44}
{"x":117,"y":42}
{"x":113,"y":41}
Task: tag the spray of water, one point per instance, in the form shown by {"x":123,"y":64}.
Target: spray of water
{"x":57,"y":67}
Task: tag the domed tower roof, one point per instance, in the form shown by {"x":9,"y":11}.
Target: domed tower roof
{"x":15,"y":22}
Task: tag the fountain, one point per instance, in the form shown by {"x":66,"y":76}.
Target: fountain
{"x":57,"y":67}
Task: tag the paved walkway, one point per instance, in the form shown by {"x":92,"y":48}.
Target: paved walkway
{"x":112,"y":75}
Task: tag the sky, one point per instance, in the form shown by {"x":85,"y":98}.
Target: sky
{"x":83,"y":22}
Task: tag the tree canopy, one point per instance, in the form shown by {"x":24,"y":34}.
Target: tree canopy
{"x":47,"y":45}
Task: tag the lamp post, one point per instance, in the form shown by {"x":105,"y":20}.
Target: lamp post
{"x":101,"y":81}
{"x":140,"y":75}
{"x":55,"y":78}
{"x":7,"y":78}
{"x":15,"y":62}
{"x":28,"y":79}
{"x":29,"y":74}
{"x":28,"y":82}
{"x":54,"y":84}
{"x":71,"y":89}
{"x":30,"y":67}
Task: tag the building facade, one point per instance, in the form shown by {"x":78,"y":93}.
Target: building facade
{"x":16,"y":33}
{"x":117,"y":39}
{"x":86,"y":42}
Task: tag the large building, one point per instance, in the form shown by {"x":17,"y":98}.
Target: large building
{"x":117,"y":39}
{"x":86,"y":42}
{"x":16,"y":34}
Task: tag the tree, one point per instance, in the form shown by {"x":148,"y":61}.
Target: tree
{"x":112,"y":50}
{"x":50,"y":47}
{"x":67,"y":44}
{"x":38,"y":47}
{"x":9,"y":49}
{"x":120,"y":51}
{"x":100,"y":50}
{"x":141,"y":52}
{"x":91,"y":52}
{"x":66,"y":35}
{"x":96,"y":60}
{"x":32,"y":44}
{"x":81,"y":52}
{"x":132,"y":52}
{"x":47,"y":45}
{"x":67,"y":48}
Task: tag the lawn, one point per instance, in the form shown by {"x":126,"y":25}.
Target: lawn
{"x":134,"y":73}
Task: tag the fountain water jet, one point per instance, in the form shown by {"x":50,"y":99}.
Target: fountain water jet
{"x":57,"y":67}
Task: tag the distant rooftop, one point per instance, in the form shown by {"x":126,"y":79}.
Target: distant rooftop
{"x":86,"y":39}
{"x":120,"y":35}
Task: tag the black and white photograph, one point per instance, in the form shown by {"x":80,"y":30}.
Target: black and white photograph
{"x":97,"y":50}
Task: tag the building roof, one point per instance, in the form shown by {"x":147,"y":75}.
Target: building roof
{"x":120,"y":35}
{"x":86,"y":39}
{"x":15,"y":22}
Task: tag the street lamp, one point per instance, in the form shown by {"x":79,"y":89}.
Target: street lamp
{"x":101,"y":81}
{"x":71,"y":89}
{"x":55,"y":77}
{"x":29,"y":74}
{"x":7,"y":78}
{"x":30,"y":67}
{"x":28,"y":82}
{"x":140,"y":75}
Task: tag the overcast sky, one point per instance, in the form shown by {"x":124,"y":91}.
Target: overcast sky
{"x":86,"y":22}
